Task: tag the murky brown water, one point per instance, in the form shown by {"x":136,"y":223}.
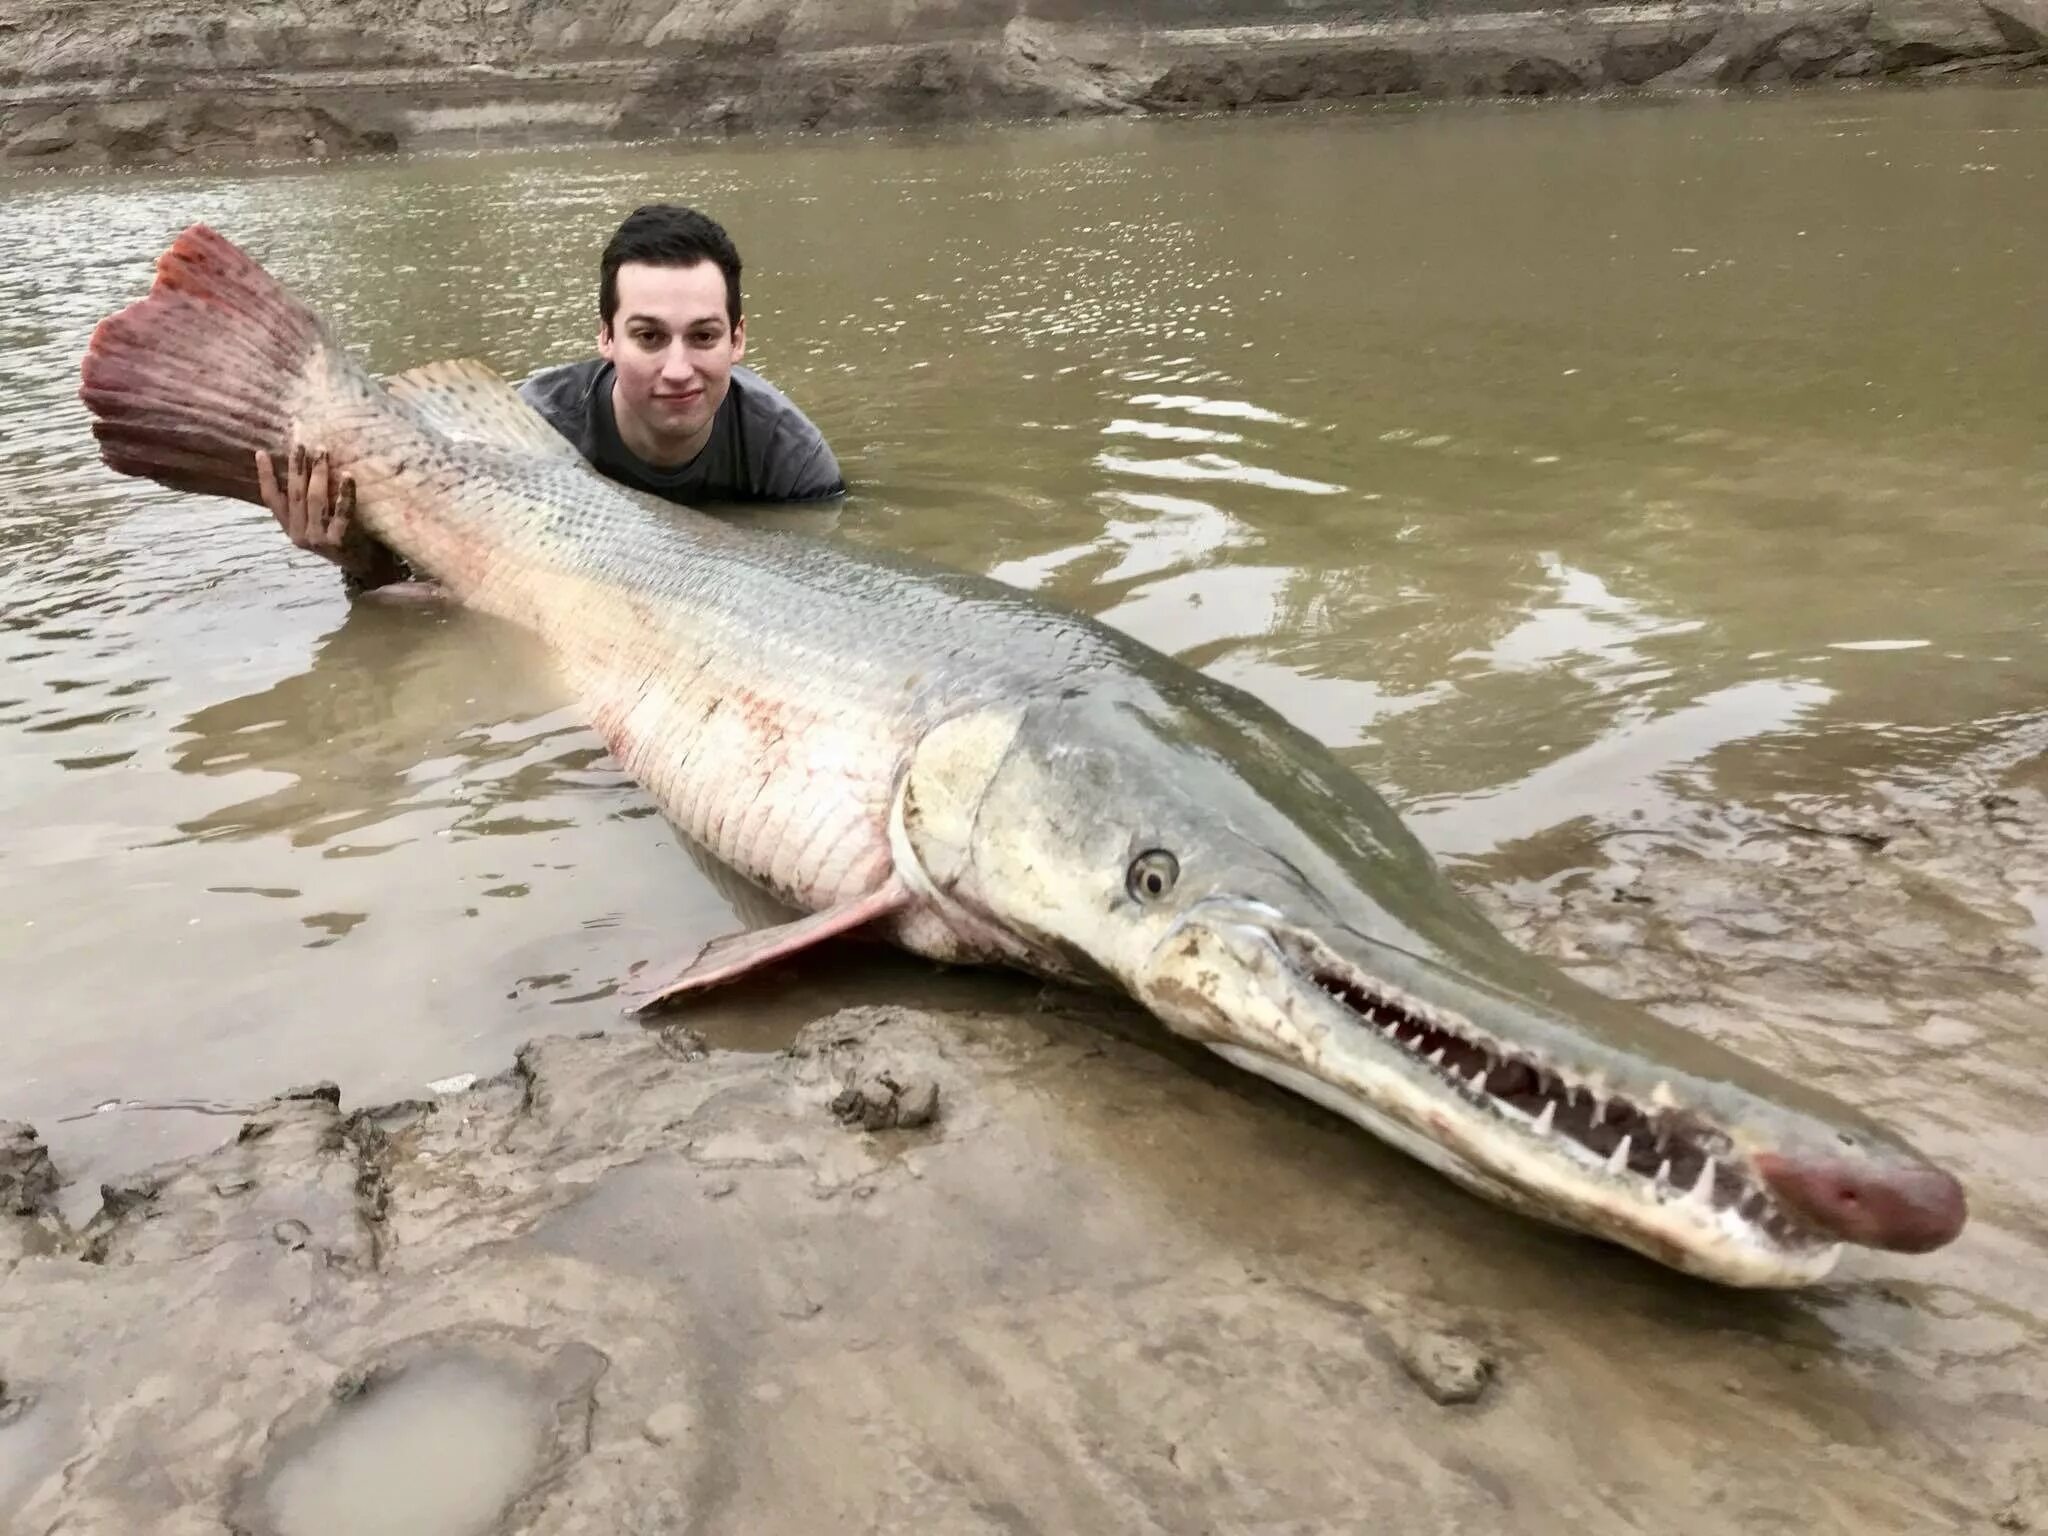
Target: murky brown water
{"x":1574,"y":469}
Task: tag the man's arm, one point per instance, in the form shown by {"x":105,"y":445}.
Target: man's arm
{"x":316,"y":508}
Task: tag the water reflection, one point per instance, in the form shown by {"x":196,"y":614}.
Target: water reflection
{"x":399,"y":710}
{"x":1587,"y":621}
{"x":1625,"y":774}
{"x":1212,"y":466}
{"x":1180,"y":532}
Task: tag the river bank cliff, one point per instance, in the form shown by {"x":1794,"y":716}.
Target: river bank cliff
{"x":117,"y":82}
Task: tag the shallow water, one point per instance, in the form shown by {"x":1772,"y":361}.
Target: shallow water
{"x":1573,"y":469}
{"x":440,"y":1451}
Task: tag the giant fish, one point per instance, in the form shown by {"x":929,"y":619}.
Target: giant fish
{"x":980,"y":776}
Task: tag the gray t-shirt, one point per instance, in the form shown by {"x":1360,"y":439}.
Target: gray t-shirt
{"x":762,"y":448}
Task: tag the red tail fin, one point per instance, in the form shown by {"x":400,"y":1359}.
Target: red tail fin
{"x":185,"y":385}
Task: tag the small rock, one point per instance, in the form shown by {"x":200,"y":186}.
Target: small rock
{"x":719,"y":1190}
{"x":1449,"y":1368}
{"x":292,"y":1233}
{"x":461,"y":1082}
{"x":666,"y":1425}
{"x":227,"y":1189}
{"x":331,"y":1092}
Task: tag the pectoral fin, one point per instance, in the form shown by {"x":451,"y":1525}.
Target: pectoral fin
{"x":735,"y":954}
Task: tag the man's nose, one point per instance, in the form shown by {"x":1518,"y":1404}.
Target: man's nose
{"x":675,"y":362}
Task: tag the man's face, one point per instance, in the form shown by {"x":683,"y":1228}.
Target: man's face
{"x":673,"y":349}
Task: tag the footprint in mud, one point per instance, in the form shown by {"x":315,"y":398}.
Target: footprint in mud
{"x":443,"y":1445}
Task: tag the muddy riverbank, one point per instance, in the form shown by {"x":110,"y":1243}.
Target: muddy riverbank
{"x":1102,"y":1282}
{"x":121,"y":82}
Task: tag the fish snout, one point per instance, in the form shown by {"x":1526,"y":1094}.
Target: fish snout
{"x":1906,"y":1210}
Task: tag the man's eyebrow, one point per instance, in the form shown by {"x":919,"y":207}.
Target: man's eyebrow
{"x":634,"y":317}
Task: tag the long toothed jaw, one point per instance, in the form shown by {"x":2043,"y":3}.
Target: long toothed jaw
{"x":1640,"y":1167}
{"x":1624,"y":1159}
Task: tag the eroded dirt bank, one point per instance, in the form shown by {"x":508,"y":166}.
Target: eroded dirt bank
{"x":144,"y":81}
{"x":1101,"y":1282}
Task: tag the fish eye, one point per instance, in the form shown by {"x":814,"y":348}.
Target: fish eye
{"x":1152,"y":874}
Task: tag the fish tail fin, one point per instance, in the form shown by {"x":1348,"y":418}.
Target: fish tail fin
{"x":188,"y":383}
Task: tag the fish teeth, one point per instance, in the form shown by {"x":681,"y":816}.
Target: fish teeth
{"x":1703,"y":1190}
{"x":1664,"y":1174}
{"x":1549,"y":1117}
{"x":1599,"y":1108}
{"x":1617,"y":1160}
{"x":1477,"y":1081}
{"x":1436,"y":1057}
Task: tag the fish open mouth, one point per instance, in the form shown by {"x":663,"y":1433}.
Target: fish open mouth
{"x":1634,"y":1154}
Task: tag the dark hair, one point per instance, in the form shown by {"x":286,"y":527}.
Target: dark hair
{"x":668,"y":235}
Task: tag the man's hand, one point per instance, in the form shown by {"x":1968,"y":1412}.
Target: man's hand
{"x":316,"y":508}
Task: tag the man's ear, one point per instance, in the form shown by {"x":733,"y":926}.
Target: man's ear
{"x":604,"y":340}
{"x":739,"y":338}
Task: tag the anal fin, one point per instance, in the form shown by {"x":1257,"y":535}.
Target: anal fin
{"x":735,"y":954}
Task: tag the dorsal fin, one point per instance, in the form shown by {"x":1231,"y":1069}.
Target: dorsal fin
{"x":465,"y":400}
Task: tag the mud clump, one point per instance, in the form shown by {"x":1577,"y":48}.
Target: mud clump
{"x":28,"y":1179}
{"x":885,"y":1100}
{"x":1449,"y":1367}
{"x":29,"y":1219}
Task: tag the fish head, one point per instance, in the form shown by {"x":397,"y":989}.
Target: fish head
{"x":1256,"y":895}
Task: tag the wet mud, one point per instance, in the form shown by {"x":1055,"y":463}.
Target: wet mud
{"x":1094,"y":1279}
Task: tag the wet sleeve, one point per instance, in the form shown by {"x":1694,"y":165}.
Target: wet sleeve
{"x":800,"y":465}
{"x":562,"y":395}
{"x":817,"y":476}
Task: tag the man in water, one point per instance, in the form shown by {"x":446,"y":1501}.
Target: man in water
{"x":664,"y":407}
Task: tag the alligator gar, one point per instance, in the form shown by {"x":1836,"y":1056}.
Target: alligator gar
{"x":980,"y":776}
